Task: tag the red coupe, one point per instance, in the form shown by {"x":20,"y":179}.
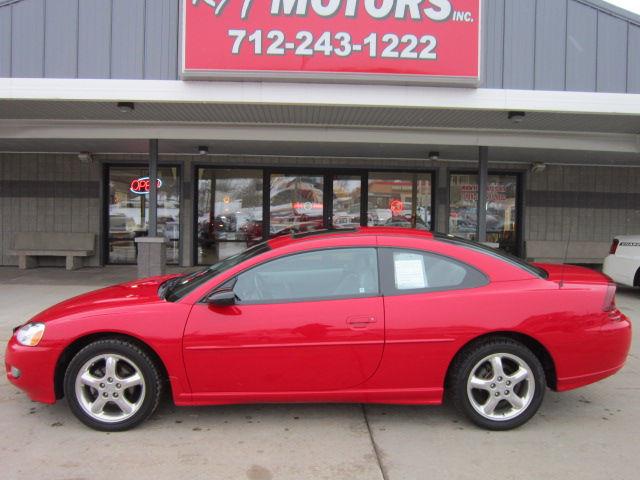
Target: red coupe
{"x":376,"y":315}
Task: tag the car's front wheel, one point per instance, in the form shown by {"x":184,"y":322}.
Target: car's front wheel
{"x":498,"y":383}
{"x":112,"y":385}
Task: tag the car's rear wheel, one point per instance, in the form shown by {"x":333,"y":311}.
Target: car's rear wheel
{"x":112,"y":385}
{"x":498,"y":383}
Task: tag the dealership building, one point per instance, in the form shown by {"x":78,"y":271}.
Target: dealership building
{"x":184,"y":131}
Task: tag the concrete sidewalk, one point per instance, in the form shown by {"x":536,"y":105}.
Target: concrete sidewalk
{"x":590,"y":433}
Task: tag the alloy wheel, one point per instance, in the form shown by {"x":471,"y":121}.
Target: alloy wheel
{"x":501,"y":386}
{"x":110,"y":388}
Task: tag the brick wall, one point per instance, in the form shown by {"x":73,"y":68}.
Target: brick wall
{"x":586,"y":203}
{"x":48,"y":193}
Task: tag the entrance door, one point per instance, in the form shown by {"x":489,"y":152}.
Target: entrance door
{"x":399,"y":200}
{"x":229,"y":212}
{"x":346,"y":209}
{"x":296,"y":203}
{"x":128,"y":211}
{"x":311,"y":321}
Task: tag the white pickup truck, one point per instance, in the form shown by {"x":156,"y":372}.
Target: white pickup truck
{"x":623,"y":262}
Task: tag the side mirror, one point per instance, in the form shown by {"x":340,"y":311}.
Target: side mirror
{"x":222,"y":298}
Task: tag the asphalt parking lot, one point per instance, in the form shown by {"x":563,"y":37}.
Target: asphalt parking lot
{"x":590,"y":433}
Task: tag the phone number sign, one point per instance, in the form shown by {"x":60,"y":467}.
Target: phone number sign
{"x":436,"y":41}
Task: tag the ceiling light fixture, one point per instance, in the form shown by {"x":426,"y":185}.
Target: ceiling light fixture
{"x":517,"y":117}
{"x":203,"y":150}
{"x":84,"y":157}
{"x":434,"y":155}
{"x":538,"y":167}
{"x":126,"y":107}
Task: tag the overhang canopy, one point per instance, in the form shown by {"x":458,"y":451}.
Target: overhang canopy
{"x":332,"y":119}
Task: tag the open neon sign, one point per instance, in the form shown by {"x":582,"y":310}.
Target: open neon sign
{"x":140,"y":186}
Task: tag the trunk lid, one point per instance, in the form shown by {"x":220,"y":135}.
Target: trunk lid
{"x":573,"y":274}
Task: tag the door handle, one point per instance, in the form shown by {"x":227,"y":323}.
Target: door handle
{"x":361,"y":321}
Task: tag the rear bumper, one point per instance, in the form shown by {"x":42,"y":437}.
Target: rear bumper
{"x":600,"y":355}
{"x":621,"y":270}
{"x":36,"y":366}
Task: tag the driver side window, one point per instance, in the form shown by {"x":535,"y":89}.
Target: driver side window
{"x":318,"y":275}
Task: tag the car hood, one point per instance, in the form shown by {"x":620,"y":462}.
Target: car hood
{"x":116,"y":296}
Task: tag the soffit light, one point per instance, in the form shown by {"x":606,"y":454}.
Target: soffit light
{"x":84,"y":157}
{"x":126,"y":107}
{"x":434,"y":155}
{"x":516,"y":117}
{"x":203,"y":149}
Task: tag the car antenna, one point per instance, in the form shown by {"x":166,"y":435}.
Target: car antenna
{"x":566,"y":255}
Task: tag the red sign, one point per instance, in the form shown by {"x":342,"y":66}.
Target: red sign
{"x":140,"y":186}
{"x":396,"y":206}
{"x":413,"y":40}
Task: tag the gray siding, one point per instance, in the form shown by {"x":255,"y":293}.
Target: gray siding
{"x":127,"y":39}
{"x":577,"y":45}
{"x":5,"y":42}
{"x":519,"y":44}
{"x":131,"y":39}
{"x":94,"y":29}
{"x":551,"y":48}
{"x":612,"y":54}
{"x":27,"y":38}
{"x":582,"y":38}
{"x":633,"y":74}
{"x":61,"y":33}
{"x":493,"y":41}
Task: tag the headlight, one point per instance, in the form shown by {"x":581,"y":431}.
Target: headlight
{"x":30,"y":334}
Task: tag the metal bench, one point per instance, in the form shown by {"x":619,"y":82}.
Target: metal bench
{"x":554,"y":251}
{"x":27,"y":246}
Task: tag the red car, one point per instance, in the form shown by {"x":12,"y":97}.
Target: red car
{"x":375,"y":315}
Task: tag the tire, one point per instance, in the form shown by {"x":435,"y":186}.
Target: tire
{"x":112,"y":385}
{"x":499,"y":401}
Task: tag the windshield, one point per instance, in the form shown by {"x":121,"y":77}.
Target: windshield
{"x":176,"y":288}
{"x":501,"y":254}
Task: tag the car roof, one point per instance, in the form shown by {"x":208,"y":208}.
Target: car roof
{"x":283,"y":240}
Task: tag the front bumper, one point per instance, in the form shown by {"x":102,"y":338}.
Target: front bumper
{"x":37,"y":368}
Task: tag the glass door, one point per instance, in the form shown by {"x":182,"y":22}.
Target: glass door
{"x":128,"y":212}
{"x":296,"y":203}
{"x":399,"y":200}
{"x":229,"y":212}
{"x":347,"y":192}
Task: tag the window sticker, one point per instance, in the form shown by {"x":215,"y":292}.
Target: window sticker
{"x":409,"y":271}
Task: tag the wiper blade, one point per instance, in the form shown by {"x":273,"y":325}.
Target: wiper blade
{"x":166,"y":287}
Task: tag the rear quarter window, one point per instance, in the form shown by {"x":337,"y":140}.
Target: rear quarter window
{"x":415,"y":271}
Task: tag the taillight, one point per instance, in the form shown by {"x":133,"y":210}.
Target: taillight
{"x":609,"y":298}
{"x":614,"y":246}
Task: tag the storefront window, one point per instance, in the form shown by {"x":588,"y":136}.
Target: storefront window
{"x":399,"y":200}
{"x":346,"y":201}
{"x":229,"y":212}
{"x":463,"y":206}
{"x":502,"y":213}
{"x":295,"y":204}
{"x":502,"y":194}
{"x":129,"y":211}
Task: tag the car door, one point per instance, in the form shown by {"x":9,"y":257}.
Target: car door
{"x":309,"y":321}
{"x":428,"y":296}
